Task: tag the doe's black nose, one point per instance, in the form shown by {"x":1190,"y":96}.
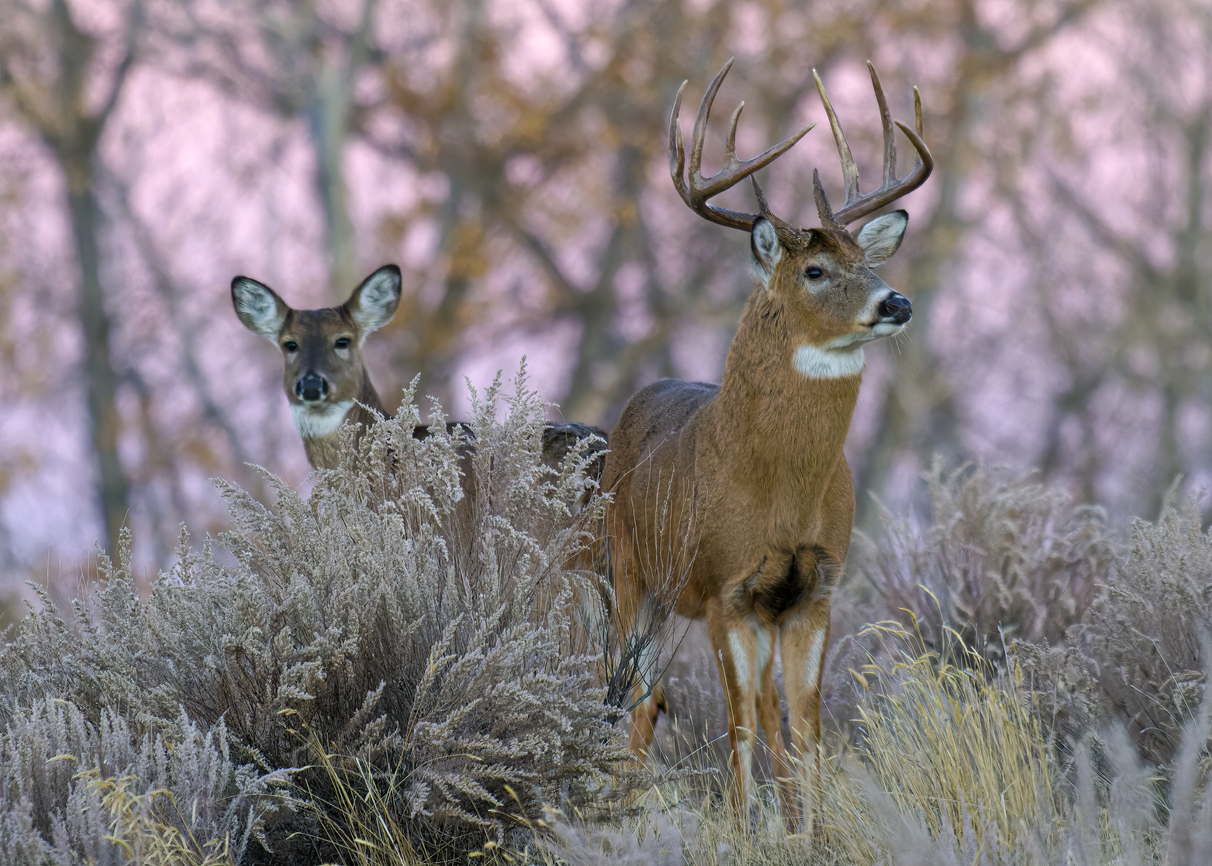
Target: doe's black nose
{"x":896,"y":307}
{"x":311,"y":388}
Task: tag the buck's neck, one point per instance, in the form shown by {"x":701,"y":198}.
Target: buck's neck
{"x":320,"y":439}
{"x":776,"y":413}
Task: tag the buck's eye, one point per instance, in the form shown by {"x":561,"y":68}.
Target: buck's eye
{"x":290,"y":346}
{"x":342,"y":343}
{"x":814,"y":273}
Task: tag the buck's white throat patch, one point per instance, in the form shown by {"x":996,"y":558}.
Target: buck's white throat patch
{"x":815,"y":362}
{"x":318,"y":420}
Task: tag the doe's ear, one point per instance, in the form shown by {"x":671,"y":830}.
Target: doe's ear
{"x":767,"y":251}
{"x":261,"y":311}
{"x":373,"y":303}
{"x":881,"y":237}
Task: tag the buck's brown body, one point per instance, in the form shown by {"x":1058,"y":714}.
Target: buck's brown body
{"x":748,"y":478}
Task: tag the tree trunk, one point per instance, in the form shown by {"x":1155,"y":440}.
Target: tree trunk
{"x":100,"y":380}
{"x":328,"y":123}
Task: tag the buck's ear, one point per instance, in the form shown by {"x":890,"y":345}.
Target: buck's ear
{"x":767,"y":251}
{"x":374,"y":302}
{"x":881,"y":237}
{"x":261,"y":311}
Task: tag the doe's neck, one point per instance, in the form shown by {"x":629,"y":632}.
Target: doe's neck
{"x":320,"y":431}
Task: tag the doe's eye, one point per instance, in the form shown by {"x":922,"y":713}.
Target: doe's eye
{"x":342,"y":343}
{"x":814,"y":273}
{"x":290,"y":346}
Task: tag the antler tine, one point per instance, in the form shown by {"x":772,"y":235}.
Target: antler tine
{"x":730,"y":144}
{"x":764,"y":206}
{"x":700,"y":119}
{"x":677,"y":155}
{"x":886,"y":126}
{"x":892,"y":187}
{"x":917,"y":122}
{"x":924,"y":163}
{"x":695,"y":189}
{"x":849,"y":169}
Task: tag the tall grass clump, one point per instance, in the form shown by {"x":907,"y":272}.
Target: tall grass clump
{"x":408,"y":633}
{"x":955,"y":747}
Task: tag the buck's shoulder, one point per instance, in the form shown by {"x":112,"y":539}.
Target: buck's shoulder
{"x":671,"y":398}
{"x":658,"y":415}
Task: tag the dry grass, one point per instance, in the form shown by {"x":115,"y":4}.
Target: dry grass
{"x":356,"y":812}
{"x":999,"y":557}
{"x":954,"y":767}
{"x":956,"y":744}
{"x":139,"y":833}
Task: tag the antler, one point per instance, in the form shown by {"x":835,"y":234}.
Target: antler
{"x":700,"y":189}
{"x":893,"y":187}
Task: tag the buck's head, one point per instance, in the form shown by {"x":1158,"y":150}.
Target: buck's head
{"x":322,"y":349}
{"x":831,"y":299}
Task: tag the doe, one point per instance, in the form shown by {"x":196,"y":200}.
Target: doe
{"x":756,"y":489}
{"x":325,"y":377}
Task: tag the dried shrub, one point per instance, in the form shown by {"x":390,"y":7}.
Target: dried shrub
{"x":404,"y":618}
{"x":74,"y":790}
{"x":1141,"y":653}
{"x":1146,"y":637}
{"x":1001,"y":558}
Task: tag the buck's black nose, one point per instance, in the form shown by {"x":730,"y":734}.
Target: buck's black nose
{"x":897,"y":308}
{"x":311,"y":388}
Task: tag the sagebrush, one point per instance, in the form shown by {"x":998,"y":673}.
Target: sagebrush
{"x":415,"y":616}
{"x":999,"y":557}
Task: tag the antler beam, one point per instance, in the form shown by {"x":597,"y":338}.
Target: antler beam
{"x":699,"y":189}
{"x":892,"y":188}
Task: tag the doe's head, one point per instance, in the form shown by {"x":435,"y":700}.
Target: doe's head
{"x":321,"y":349}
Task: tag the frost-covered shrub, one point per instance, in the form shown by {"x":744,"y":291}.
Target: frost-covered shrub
{"x":416,"y":614}
{"x":1148,"y":634}
{"x":53,"y":805}
{"x":1001,"y":558}
{"x":1141,"y":653}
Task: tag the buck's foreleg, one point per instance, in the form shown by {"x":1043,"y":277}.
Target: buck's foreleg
{"x":802,"y":641}
{"x":742,"y":652}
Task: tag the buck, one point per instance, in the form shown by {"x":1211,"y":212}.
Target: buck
{"x":326,"y":380}
{"x":756,"y":489}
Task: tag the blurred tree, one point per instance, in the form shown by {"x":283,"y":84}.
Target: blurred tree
{"x":1126,"y":229}
{"x":918,"y":414}
{"x":294,"y":59}
{"x":63,"y":82}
